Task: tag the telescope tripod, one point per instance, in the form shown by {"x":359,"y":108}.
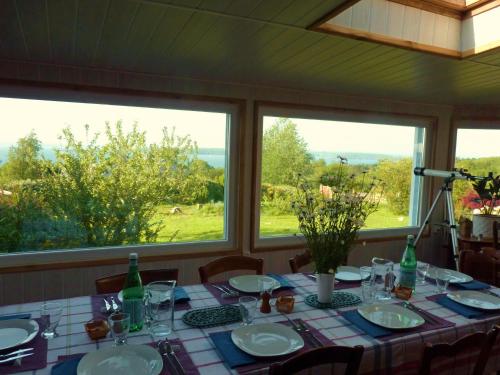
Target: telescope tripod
{"x":446,"y":189}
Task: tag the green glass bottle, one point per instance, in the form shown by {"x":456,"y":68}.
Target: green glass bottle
{"x":133,"y":294}
{"x":408,"y":265}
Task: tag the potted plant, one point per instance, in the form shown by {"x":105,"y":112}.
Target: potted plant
{"x":330,"y":215}
{"x":488,"y":205}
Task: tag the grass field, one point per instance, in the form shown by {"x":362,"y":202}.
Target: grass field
{"x":193,"y":224}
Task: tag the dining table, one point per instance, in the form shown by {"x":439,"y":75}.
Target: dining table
{"x":397,"y":353}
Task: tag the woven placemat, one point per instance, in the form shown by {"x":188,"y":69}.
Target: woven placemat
{"x":212,"y":316}
{"x":339,"y":300}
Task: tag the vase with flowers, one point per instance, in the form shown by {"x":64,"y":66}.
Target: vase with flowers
{"x":330,"y":214}
{"x":486,"y":208}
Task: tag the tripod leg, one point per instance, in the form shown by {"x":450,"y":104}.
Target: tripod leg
{"x":452,"y":224}
{"x":431,"y":210}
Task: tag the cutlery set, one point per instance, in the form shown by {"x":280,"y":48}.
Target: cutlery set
{"x":110,"y":306}
{"x":300,"y":327}
{"x":13,"y":356}
{"x":167,"y":350}
{"x":226,"y":291}
{"x":424,"y":314}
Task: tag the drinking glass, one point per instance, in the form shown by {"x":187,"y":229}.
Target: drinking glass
{"x":442,"y":279}
{"x":365,"y":272}
{"x":367,"y":290}
{"x":50,"y":313}
{"x":248,"y":306}
{"x":422,"y":269}
{"x":383,"y":278}
{"x":119,"y":324}
{"x":159,"y":300}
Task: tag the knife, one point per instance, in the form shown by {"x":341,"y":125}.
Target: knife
{"x":164,"y":353}
{"x":176,"y":362}
{"x":306,"y":330}
{"x":11,"y":359}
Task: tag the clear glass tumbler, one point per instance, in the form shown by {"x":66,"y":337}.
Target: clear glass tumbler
{"x":159,"y":300}
{"x":422,"y":270}
{"x":367,"y":290}
{"x":383,"y":278}
{"x":248,"y":306}
{"x":365,"y":272}
{"x":442,"y":279}
{"x":119,"y":324}
{"x":50,"y":313}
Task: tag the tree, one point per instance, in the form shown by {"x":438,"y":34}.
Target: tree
{"x":397,"y":176}
{"x":24,"y":160}
{"x":284,"y":154}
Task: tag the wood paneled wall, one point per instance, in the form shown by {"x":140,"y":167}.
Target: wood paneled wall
{"x":39,"y":285}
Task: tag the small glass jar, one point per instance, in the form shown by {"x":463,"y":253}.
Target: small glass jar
{"x":285,"y":304}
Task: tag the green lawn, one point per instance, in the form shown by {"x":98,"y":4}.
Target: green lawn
{"x":195,"y":225}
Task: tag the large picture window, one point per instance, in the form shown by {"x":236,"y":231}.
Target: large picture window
{"x":87,"y":175}
{"x":310,"y":144}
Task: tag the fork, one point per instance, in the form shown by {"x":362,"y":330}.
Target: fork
{"x":226,"y":291}
{"x":300,"y":329}
{"x":114,"y":305}
{"x":2,"y":356}
{"x":307,"y":331}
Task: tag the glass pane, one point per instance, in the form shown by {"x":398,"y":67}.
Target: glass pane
{"x":311,"y":147}
{"x":476,"y":152}
{"x":76,"y":175}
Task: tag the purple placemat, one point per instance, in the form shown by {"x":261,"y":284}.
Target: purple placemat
{"x":427,"y":326}
{"x":180,"y":352}
{"x":97,"y":303}
{"x":265,"y":363}
{"x":33,"y":362}
{"x":231,"y":300}
{"x":338,"y":284}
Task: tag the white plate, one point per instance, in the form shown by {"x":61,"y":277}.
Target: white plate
{"x":348,"y":273}
{"x":456,"y":277}
{"x":14,"y":332}
{"x":267,"y":339}
{"x":475,"y":299}
{"x":250,"y":283}
{"x":391,"y":316}
{"x":123,"y":360}
{"x":155,"y":296}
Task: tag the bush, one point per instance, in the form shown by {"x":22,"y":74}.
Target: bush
{"x":277,"y":199}
{"x":211,"y":209}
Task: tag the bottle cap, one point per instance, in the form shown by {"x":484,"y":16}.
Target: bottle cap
{"x":133,"y":256}
{"x":411,"y":237}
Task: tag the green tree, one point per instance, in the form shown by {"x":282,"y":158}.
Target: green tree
{"x":24,"y":160}
{"x":397,"y":176}
{"x":284,"y":154}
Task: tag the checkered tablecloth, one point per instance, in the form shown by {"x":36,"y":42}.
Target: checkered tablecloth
{"x":400,"y":355}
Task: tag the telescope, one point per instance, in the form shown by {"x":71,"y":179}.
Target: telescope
{"x":456,"y":174}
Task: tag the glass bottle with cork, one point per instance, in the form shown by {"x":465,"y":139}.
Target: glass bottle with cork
{"x":133,"y":295}
{"x":408,"y":265}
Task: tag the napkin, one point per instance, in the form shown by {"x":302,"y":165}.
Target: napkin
{"x":369,"y":328}
{"x":285,"y":284}
{"x":16,"y":316}
{"x":468,"y":312}
{"x":67,"y":367}
{"x":472,"y":285}
{"x":232,"y":355}
{"x":180,"y":295}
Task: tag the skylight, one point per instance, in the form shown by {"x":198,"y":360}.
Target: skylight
{"x":456,"y":28}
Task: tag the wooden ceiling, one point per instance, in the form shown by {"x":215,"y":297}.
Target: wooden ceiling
{"x":246,"y":41}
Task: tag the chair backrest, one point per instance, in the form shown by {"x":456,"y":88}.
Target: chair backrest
{"x":231,"y":263}
{"x":496,"y":230}
{"x":300,"y":260}
{"x":114,"y":283}
{"x":351,"y":356}
{"x":478,"y":340}
{"x":481,"y":266}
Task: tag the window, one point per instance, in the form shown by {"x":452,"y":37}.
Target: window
{"x":115,"y":172}
{"x":477,"y":152}
{"x":309,"y":143}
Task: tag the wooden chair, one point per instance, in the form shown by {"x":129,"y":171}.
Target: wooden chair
{"x":321,"y":356}
{"x":113,"y":284}
{"x":300,"y":260}
{"x":478,"y":340}
{"x":481,"y":266}
{"x":230,"y":263}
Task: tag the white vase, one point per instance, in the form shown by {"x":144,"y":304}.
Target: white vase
{"x":482,"y":225}
{"x":325,"y":282}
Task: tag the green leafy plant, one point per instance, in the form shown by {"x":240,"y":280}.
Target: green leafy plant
{"x":331,"y":216}
{"x":488,"y":191}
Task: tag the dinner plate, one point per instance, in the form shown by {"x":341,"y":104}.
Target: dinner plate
{"x":456,"y":277}
{"x":348,"y":273}
{"x":156,"y":297}
{"x":123,"y":360}
{"x":267,"y":339}
{"x":391,"y":316}
{"x":474,"y":298}
{"x":14,"y":332}
{"x":250,"y":283}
